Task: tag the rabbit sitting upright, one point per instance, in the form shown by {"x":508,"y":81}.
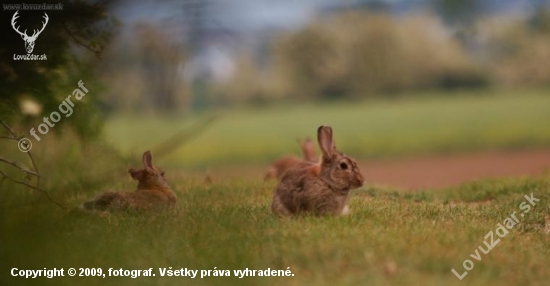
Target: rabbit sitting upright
{"x":321,"y":188}
{"x":152,"y":192}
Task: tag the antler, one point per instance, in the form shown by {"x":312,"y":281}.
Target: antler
{"x":15,"y":16}
{"x":43,"y":26}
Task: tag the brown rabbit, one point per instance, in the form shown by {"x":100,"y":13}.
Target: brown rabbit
{"x":283,"y":164}
{"x":152,"y":191}
{"x":308,"y":150}
{"x":321,"y":188}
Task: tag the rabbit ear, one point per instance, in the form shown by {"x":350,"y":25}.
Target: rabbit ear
{"x":136,"y":174}
{"x":308,"y":150}
{"x":324,"y":136}
{"x":148,"y":161}
{"x":303,"y":142}
{"x":308,"y":144}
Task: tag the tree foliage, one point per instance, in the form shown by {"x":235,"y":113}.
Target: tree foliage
{"x":72,"y":41}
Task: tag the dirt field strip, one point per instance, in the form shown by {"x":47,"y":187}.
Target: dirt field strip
{"x":450,"y":170}
{"x":436,"y":171}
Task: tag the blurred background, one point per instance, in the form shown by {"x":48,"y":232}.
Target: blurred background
{"x":424,"y":93}
{"x":427,"y":95}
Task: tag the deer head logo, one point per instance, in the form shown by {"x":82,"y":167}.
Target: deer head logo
{"x":29,"y":41}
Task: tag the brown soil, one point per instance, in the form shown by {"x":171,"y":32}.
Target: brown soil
{"x":436,"y":171}
{"x":450,"y":170}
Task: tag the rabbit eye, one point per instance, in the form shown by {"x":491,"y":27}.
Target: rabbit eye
{"x":162,"y":173}
{"x":343,"y":166}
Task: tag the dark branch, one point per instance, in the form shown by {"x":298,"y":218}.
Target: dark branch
{"x":35,"y":169}
{"x":15,"y":137}
{"x":35,"y":173}
{"x":4,"y":176}
{"x":10,"y":130}
{"x":81,"y":43}
{"x":9,"y":137}
{"x":20,"y":167}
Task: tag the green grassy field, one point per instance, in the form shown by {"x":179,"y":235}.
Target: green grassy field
{"x":426,"y":124}
{"x":391,"y":238}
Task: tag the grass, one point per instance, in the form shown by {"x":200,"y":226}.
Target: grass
{"x":391,"y":238}
{"x":416,"y":125}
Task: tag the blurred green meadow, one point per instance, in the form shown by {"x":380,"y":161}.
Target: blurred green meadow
{"x":414,"y":124}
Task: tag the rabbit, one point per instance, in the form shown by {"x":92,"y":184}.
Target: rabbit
{"x":152,"y":192}
{"x":280,"y":166}
{"x":308,"y":150}
{"x":319,"y":188}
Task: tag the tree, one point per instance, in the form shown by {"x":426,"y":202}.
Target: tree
{"x":72,"y":35}
{"x":458,"y":12}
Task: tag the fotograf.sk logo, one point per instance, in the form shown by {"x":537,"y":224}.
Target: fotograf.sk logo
{"x":29,"y":40}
